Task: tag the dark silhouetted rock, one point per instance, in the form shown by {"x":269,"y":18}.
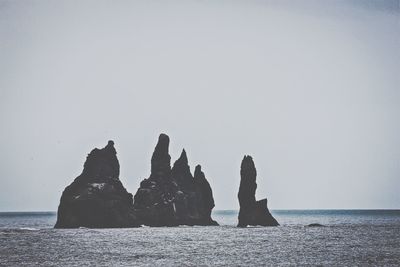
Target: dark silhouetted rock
{"x":315,"y":225}
{"x":205,"y":194}
{"x":161,"y":160}
{"x":252,"y":212}
{"x":97,"y":198}
{"x":171,"y":197}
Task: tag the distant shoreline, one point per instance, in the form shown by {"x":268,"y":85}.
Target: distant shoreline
{"x":218,"y":211}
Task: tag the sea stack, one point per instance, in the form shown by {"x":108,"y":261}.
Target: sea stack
{"x":252,"y":212}
{"x":172,"y":196}
{"x":97,"y":198}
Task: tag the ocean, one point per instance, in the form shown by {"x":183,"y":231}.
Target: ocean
{"x":349,"y":238}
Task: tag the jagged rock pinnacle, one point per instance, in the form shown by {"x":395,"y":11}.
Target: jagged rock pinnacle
{"x":198,"y":174}
{"x":183,"y":157}
{"x":161,"y":160}
{"x":252,"y":212}
{"x":204,"y":188}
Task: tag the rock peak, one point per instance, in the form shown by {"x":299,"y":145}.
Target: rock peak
{"x":182,"y":161}
{"x":101,"y":164}
{"x":197,"y":172}
{"x":252,"y":212}
{"x":183,"y":157}
{"x":163,"y":139}
{"x":248,"y":168}
{"x":181,"y":172}
{"x":161,"y":160}
{"x":162,"y":147}
{"x":205,"y":191}
{"x":110,"y":147}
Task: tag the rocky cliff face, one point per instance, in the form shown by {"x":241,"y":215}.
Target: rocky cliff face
{"x":252,"y":212}
{"x":172,"y":196}
{"x":97,"y":198}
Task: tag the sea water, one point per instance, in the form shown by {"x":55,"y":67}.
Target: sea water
{"x":349,"y":237}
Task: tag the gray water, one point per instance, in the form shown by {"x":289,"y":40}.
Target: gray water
{"x":351,"y":237}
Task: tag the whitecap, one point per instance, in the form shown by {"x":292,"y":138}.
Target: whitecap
{"x":29,"y":229}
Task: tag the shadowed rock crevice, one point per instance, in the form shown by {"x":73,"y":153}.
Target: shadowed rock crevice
{"x":171,"y":197}
{"x":252,"y":212}
{"x":97,"y":198}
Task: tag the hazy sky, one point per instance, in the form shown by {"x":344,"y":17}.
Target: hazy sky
{"x":310,"y":89}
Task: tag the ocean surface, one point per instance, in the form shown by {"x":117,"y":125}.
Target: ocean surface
{"x":349,"y":238}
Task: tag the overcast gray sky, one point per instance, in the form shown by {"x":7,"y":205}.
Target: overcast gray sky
{"x":310,"y":89}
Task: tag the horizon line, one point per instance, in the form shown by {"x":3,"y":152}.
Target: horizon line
{"x":349,"y":209}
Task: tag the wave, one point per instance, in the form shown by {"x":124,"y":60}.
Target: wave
{"x":29,"y":229}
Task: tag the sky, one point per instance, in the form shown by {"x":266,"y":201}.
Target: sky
{"x":309,"y":89}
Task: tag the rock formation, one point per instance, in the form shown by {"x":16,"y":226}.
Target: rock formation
{"x":172,"y":196}
{"x":252,"y":212}
{"x":169,"y":197}
{"x":97,"y":198}
{"x":315,"y":225}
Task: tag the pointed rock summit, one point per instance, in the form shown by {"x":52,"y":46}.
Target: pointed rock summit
{"x":181,"y":173}
{"x":205,"y":192}
{"x":97,"y":198}
{"x":252,"y":212}
{"x":171,"y":197}
{"x":161,"y":160}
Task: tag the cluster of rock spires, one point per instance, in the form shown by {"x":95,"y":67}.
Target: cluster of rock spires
{"x":169,"y":197}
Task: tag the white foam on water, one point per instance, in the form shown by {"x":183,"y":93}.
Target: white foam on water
{"x":29,"y":229}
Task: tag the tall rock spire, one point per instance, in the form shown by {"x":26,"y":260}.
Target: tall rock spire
{"x":161,"y":160}
{"x":204,"y":189}
{"x":252,"y":212}
{"x":248,"y":185}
